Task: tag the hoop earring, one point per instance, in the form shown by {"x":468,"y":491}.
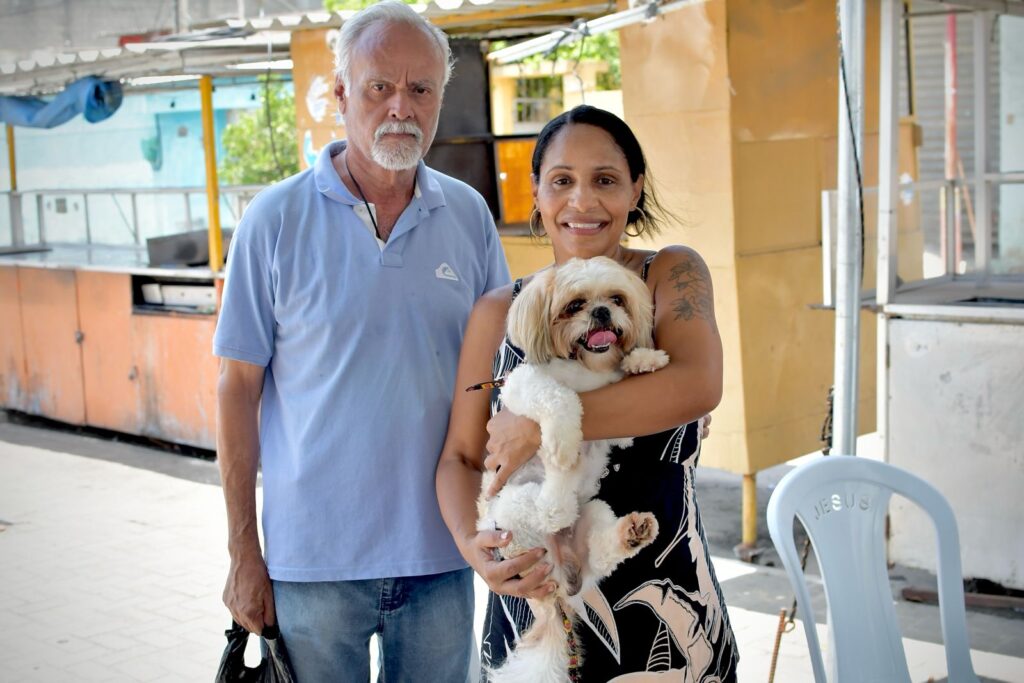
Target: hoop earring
{"x":640,"y":229}
{"x":537,"y":224}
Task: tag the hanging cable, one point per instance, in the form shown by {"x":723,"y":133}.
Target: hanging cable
{"x":584,"y":34}
{"x":267,"y":109}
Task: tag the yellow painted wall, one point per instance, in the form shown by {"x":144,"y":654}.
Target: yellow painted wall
{"x":503,"y":92}
{"x":526,"y":254}
{"x":676,"y":97}
{"x":312,"y":71}
{"x":736,"y":104}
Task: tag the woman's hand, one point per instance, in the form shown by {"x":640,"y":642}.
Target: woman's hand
{"x":512,"y":441}
{"x":524,"y":576}
{"x":705,"y":431}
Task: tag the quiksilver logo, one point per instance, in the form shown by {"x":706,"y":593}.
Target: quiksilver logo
{"x":445,"y":272}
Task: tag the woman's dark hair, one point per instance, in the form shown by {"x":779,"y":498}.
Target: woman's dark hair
{"x":650,"y":215}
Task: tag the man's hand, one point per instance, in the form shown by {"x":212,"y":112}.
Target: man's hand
{"x":513,"y":440}
{"x":248,"y":593}
{"x":524,"y":576}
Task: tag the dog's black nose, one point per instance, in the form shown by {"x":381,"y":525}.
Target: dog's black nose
{"x":602,"y":315}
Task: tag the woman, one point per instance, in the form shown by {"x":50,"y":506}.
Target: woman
{"x":662,"y":610}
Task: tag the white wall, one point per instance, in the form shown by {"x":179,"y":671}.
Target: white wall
{"x":956,"y":419}
{"x":609,"y":100}
{"x":1011,"y":148}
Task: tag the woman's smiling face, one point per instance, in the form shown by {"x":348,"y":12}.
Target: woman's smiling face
{"x":584,"y":192}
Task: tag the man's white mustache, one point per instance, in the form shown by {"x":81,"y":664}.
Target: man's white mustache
{"x":400,"y":128}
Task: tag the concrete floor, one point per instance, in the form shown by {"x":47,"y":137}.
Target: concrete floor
{"x":112,"y":561}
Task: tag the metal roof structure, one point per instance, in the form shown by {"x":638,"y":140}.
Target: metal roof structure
{"x":477,"y":17}
{"x":219,"y":48}
{"x":1013,"y":7}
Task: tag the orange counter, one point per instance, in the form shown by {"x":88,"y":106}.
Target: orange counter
{"x":77,"y":346}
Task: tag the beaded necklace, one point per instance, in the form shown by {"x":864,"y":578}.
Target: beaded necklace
{"x":574,"y":650}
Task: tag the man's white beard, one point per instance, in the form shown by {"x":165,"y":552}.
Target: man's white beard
{"x":397,"y":154}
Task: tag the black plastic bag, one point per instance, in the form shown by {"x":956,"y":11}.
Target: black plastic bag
{"x":274,"y":667}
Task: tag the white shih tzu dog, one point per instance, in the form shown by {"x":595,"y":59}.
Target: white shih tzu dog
{"x":582,"y":325}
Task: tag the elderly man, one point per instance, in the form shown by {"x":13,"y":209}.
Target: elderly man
{"x":349,"y":286}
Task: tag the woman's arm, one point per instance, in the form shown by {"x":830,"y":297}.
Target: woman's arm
{"x":461,"y":462}
{"x":689,"y":387}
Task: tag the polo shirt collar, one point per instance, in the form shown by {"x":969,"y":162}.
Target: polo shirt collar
{"x":428,"y":190}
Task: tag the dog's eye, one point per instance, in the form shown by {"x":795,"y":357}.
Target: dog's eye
{"x":618,"y":300}
{"x":575,"y":306}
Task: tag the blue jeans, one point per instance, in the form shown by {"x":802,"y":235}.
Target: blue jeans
{"x":424,"y":625}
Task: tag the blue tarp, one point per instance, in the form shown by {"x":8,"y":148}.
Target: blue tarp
{"x":93,"y":98}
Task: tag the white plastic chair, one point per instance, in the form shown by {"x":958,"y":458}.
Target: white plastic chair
{"x":842,"y":502}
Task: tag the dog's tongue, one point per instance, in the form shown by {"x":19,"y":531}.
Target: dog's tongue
{"x":601,"y":338}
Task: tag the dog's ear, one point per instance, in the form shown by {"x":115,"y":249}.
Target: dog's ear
{"x":641,"y":310}
{"x":529,"y":318}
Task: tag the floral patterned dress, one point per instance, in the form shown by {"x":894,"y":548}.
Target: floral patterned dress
{"x":660,"y":615}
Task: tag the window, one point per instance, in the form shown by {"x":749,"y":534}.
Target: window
{"x":537,"y":101}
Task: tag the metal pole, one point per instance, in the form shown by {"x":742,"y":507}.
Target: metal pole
{"x":951,"y":78}
{"x":88,"y":226}
{"x":983,"y":234}
{"x":849,"y":258}
{"x":827,"y":267}
{"x":41,"y":219}
{"x":888,"y":226}
{"x":888,"y":152}
{"x":212,"y":196}
{"x":908,"y":40}
{"x":182,"y":22}
{"x":948,"y":226}
{"x":17,"y":227}
{"x":135,"y":216}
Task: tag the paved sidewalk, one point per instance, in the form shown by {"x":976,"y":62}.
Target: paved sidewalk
{"x":112,"y":559}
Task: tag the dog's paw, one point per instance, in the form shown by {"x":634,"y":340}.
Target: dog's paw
{"x":637,"y":530}
{"x":641,"y":360}
{"x":564,"y":454}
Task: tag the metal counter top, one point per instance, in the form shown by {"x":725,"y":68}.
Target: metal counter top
{"x":996,"y":300}
{"x":115,"y":259}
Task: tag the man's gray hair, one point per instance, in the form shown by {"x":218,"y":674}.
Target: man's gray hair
{"x":388,"y":11}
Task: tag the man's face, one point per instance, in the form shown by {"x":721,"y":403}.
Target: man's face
{"x":393,"y":97}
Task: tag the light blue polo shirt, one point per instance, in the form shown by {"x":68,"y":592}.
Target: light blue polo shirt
{"x":361,"y":342}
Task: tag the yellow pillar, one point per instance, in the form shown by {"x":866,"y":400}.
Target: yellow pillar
{"x":216,"y":239}
{"x":17,"y":229}
{"x":749,"y":510}
{"x":11,"y":159}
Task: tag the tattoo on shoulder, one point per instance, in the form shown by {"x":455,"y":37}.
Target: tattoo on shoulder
{"x":692,"y":283}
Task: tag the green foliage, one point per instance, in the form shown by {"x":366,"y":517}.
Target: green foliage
{"x":152,"y":151}
{"x":258,"y":154}
{"x":603,"y":46}
{"x":339,"y":5}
